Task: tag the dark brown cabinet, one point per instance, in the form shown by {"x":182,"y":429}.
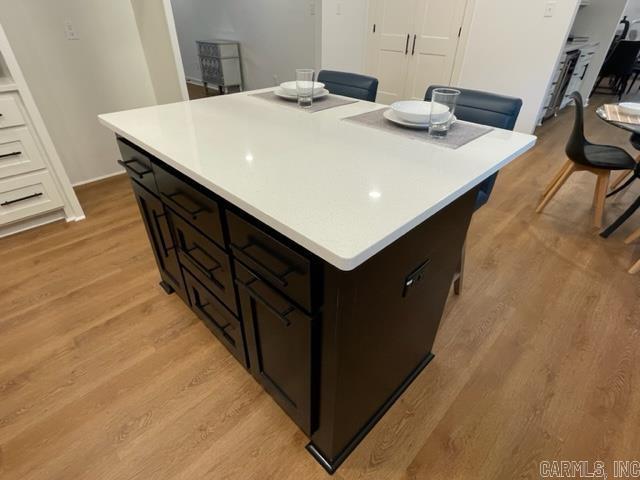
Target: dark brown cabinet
{"x":279,"y":341}
{"x":334,"y":348}
{"x":155,"y":221}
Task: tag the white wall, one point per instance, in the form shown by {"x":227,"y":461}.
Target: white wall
{"x":276,"y":36}
{"x":513,"y":49}
{"x":599,"y":21}
{"x":73,"y":81}
{"x":344,"y":34}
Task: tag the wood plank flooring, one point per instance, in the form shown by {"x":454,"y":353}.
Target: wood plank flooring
{"x":103,"y":376}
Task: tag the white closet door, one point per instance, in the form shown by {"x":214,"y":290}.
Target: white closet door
{"x":437,"y":26}
{"x":388,"y":49}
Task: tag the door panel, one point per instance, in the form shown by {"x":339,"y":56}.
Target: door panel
{"x":156,"y":223}
{"x":388,"y":47}
{"x":437,"y":26}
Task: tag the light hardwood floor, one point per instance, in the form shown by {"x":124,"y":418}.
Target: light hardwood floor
{"x":103,"y":376}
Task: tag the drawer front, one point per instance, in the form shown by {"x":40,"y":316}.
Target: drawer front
{"x":278,"y":337}
{"x":18,"y":152}
{"x":217,"y":318}
{"x":27,"y":195}
{"x":276,"y":263}
{"x":156,"y":222}
{"x":208,"y":49}
{"x":10,"y":112}
{"x":199,"y":209}
{"x":206,"y":261}
{"x":212,"y":70}
{"x":138,"y":165}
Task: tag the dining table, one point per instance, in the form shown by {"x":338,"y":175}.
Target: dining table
{"x":634,"y":128}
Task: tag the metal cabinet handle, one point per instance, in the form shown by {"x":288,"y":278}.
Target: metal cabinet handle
{"x":128,"y":166}
{"x":10,"y":202}
{"x":278,"y":278}
{"x":413,"y":49}
{"x":12,"y":154}
{"x":281,"y":315}
{"x":584,"y":72}
{"x":406,"y":47}
{"x":194,"y":213}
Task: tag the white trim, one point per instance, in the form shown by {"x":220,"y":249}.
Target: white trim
{"x":175,"y":46}
{"x":97,"y":179}
{"x":29,"y":223}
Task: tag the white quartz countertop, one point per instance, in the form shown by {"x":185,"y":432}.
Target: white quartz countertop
{"x":342,"y":190}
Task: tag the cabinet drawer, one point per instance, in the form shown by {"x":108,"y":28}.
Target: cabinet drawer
{"x":206,"y":261}
{"x":276,"y":263}
{"x":27,"y":195}
{"x":217,"y":318}
{"x":10,"y":112}
{"x":278,"y":337}
{"x":137,"y":165}
{"x":202,"y":211}
{"x":18,"y":152}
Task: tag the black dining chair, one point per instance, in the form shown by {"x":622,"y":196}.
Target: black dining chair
{"x":361,"y":87}
{"x":583,"y":155}
{"x":489,"y":109}
{"x":619,"y":66}
{"x":635,"y":143}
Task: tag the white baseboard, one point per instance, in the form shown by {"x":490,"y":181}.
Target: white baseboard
{"x":30,"y":223}
{"x":195,"y":81}
{"x":97,"y":179}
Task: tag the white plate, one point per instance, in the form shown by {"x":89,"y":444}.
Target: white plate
{"x":393,"y":117}
{"x":630,"y":108}
{"x":291,"y":88}
{"x":282,"y":94}
{"x":418,"y":111}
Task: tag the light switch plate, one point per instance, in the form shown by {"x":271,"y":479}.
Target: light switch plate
{"x":550,"y":8}
{"x":69,"y":31}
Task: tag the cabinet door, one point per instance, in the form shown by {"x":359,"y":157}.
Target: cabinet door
{"x":279,"y":346}
{"x":157,"y":225}
{"x":388,"y":48}
{"x":434,"y":45}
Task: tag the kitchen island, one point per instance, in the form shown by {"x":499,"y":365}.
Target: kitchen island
{"x":320,"y":252}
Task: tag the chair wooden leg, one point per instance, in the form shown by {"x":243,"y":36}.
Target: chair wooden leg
{"x":557,"y":177}
{"x":459,"y":278}
{"x":620,"y":178}
{"x":602,"y":185}
{"x":569,"y":168}
{"x":633,"y":237}
{"x":635,"y":268}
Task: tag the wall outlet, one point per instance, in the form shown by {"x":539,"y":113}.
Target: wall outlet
{"x":276,"y":82}
{"x":312,"y":8}
{"x":339,"y":8}
{"x":550,"y":8}
{"x":69,"y":31}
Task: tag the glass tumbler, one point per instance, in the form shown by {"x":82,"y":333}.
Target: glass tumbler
{"x":443,"y":107}
{"x":305,"y":78}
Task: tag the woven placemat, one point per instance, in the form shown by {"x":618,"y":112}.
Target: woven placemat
{"x":325,"y":103}
{"x":460,"y":133}
{"x":615,"y":114}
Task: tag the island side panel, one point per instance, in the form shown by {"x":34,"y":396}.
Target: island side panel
{"x":379,"y":324}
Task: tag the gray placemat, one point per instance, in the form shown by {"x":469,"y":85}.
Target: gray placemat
{"x":330,"y":101}
{"x":460,"y":133}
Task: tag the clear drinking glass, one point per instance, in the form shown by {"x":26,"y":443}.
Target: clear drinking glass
{"x":305,"y":78}
{"x":441,"y":118}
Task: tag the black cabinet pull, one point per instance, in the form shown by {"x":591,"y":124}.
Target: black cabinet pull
{"x":584,"y":72}
{"x":413,"y":49}
{"x":9,"y":202}
{"x":193,"y":213}
{"x":128,"y":165}
{"x":406,"y":47}
{"x":281,"y":315}
{"x":278,"y":278}
{"x":12,"y":154}
{"x":207,"y":271}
